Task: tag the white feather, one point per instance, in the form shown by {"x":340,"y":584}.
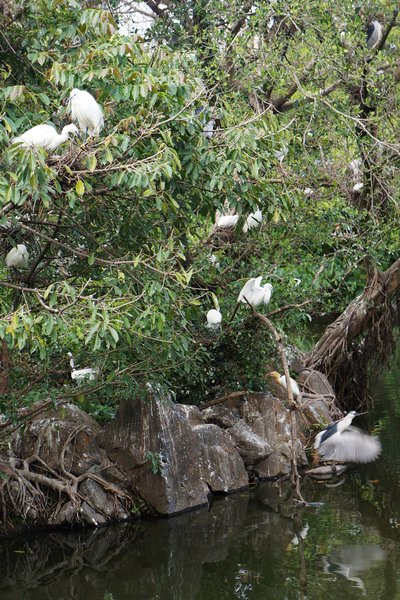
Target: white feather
{"x":18,"y":257}
{"x":214,"y":319}
{"x":227,"y":221}
{"x":44,"y":136}
{"x":254,"y":293}
{"x":86,"y":111}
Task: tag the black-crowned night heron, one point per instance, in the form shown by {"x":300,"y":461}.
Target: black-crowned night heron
{"x":374,"y":34}
{"x":281,"y":380}
{"x":254,"y":293}
{"x":343,"y":443}
{"x":214,"y":319}
{"x":44,"y":136}
{"x":18,"y":257}
{"x":208,"y":123}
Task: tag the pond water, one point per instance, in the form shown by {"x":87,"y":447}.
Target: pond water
{"x":250,"y":546}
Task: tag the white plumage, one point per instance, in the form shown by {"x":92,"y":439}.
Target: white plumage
{"x":281,"y":379}
{"x":253,"y":220}
{"x":18,"y":257}
{"x":86,"y":111}
{"x":80,"y":375}
{"x":254,"y":293}
{"x":374,"y":34}
{"x":341,"y":442}
{"x":214,"y":319}
{"x":227,"y":221}
{"x":45,"y":136}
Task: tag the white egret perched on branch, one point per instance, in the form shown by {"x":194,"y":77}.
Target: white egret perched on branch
{"x":281,"y":380}
{"x":79,"y":375}
{"x":86,"y":111}
{"x":214,"y":319}
{"x":227,"y":221}
{"x":18,"y":257}
{"x":253,"y":220}
{"x":254,"y":293}
{"x":343,"y":443}
{"x":44,"y":136}
{"x":374,"y":34}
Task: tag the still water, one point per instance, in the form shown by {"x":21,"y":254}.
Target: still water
{"x":250,"y":546}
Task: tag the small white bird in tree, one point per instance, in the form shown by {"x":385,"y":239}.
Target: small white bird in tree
{"x":227,"y":221}
{"x":374,"y":34}
{"x":86,"y":111}
{"x":18,"y":257}
{"x":343,"y":443}
{"x":214,"y":319}
{"x":252,"y":221}
{"x":254,"y":293}
{"x":80,"y":375}
{"x":281,"y":380}
{"x":45,"y":136}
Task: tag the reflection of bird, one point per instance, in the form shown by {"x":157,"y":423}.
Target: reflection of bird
{"x":44,"y":136}
{"x":227,"y":221}
{"x":353,"y":560}
{"x":374,"y":34}
{"x":281,"y":379}
{"x":18,"y":257}
{"x":253,"y":220}
{"x":341,"y":442}
{"x":214,"y":319}
{"x":79,"y":375}
{"x":254,"y":293}
{"x":86,"y":111}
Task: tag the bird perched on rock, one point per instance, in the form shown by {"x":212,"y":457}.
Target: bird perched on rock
{"x":86,"y":111}
{"x":343,"y":443}
{"x":44,"y":136}
{"x":254,"y":293}
{"x":252,"y":221}
{"x":281,"y":379}
{"x":18,"y":257}
{"x":374,"y":34}
{"x":214,"y":319}
{"x":79,"y":375}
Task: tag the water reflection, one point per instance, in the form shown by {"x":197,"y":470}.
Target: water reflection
{"x":239,"y":548}
{"x":250,"y":546}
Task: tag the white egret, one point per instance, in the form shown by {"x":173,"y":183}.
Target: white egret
{"x":281,"y":154}
{"x":45,"y":136}
{"x":374,"y":34}
{"x":252,"y":221}
{"x":357,"y":187}
{"x":86,"y":111}
{"x":343,"y":443}
{"x":254,"y":293}
{"x":18,"y":258}
{"x":227,"y":221}
{"x":214,"y":319}
{"x":281,"y":380}
{"x":79,"y":375}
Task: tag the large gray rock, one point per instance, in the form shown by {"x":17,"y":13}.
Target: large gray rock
{"x":172,"y":464}
{"x":251,"y":447}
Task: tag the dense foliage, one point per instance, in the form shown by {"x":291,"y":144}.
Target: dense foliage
{"x":119,"y":228}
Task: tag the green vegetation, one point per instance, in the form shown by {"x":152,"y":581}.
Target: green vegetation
{"x":119,"y":229}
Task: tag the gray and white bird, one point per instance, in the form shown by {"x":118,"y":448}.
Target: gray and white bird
{"x":18,"y":257}
{"x":214,"y":319}
{"x":44,"y":136}
{"x":208,"y":124}
{"x":343,"y":443}
{"x":252,"y":221}
{"x":254,"y":293}
{"x":374,"y":34}
{"x":80,"y":375}
{"x":86,"y":111}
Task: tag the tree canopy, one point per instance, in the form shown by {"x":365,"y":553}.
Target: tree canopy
{"x":124,"y":258}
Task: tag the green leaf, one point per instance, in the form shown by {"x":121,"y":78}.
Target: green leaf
{"x":80,"y":187}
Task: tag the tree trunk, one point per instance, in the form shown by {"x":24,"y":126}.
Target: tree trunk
{"x":363,"y":332}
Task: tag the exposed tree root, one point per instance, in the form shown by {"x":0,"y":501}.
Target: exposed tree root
{"x":363,"y":334}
